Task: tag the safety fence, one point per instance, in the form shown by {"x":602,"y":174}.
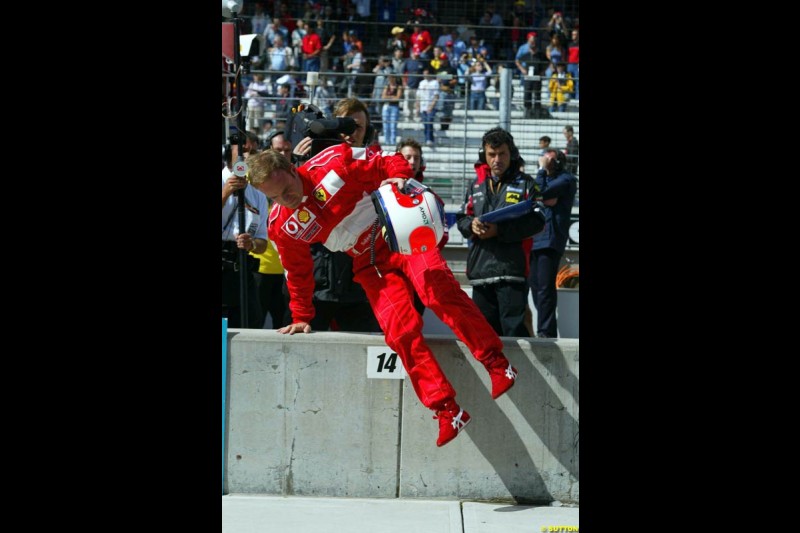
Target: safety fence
{"x":456,"y":128}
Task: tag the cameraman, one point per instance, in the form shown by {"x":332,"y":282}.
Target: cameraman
{"x":254,"y":239}
{"x":342,"y":297}
{"x":339,"y":301}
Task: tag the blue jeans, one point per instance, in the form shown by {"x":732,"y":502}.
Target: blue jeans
{"x":311,"y":65}
{"x":477,"y":100}
{"x":389,"y":115}
{"x":427,"y":120}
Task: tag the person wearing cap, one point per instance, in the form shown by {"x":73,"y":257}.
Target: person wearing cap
{"x":397,"y":41}
{"x":528,"y":56}
{"x":421,"y":41}
{"x":327,"y":200}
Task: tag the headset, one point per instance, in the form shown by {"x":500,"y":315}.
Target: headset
{"x":226,"y":154}
{"x":369,"y":133}
{"x":501,"y":137}
{"x":227,"y":150}
{"x":560,"y":160}
{"x":272,"y":136}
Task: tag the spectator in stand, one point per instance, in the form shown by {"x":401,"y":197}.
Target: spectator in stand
{"x":573,"y":61}
{"x":544,"y":144}
{"x":421,"y":41}
{"x":387,"y":11}
{"x":529,"y":56}
{"x":556,"y":52}
{"x":474,"y":47}
{"x":462,"y":70}
{"x":280,"y":59}
{"x":411,"y":72}
{"x":428,"y":97}
{"x":276,"y":28}
{"x":324,"y":97}
{"x":382,"y":68}
{"x":516,"y":36}
{"x":447,"y":35}
{"x":259,"y":20}
{"x":256,"y":95}
{"x":353,"y":65}
{"x":558,"y":188}
{"x":355,"y":40}
{"x":312,"y":47}
{"x":284,"y":103}
{"x":391,"y":96}
{"x":297,"y":43}
{"x":447,"y":84}
{"x":561,"y":87}
{"x":572,"y":151}
{"x":439,"y":60}
{"x":464,"y":30}
{"x":452,"y":54}
{"x":493,"y":33}
{"x":397,"y":41}
{"x":397,"y":60}
{"x":326,"y":29}
{"x":558,"y":26}
{"x":287,"y":19}
{"x":258,"y":25}
{"x":519,"y":11}
{"x":478,"y":77}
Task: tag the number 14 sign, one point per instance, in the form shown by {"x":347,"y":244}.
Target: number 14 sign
{"x":383,"y":363}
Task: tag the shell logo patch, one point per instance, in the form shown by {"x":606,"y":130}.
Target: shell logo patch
{"x":298,"y":222}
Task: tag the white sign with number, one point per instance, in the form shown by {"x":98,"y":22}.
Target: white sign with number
{"x":383,"y":363}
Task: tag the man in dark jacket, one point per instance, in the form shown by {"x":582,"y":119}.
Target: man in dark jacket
{"x":497,"y":262}
{"x":558,"y":188}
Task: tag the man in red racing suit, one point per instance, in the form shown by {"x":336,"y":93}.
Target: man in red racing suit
{"x":327,"y":200}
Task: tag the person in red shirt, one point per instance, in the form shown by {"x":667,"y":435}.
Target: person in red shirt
{"x":327,"y":200}
{"x":312,"y":48}
{"x":573,"y":61}
{"x":421,"y":41}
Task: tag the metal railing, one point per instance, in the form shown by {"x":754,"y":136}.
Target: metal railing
{"x":449,"y":161}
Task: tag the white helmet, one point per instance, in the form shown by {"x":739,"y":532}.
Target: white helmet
{"x":413,"y":221}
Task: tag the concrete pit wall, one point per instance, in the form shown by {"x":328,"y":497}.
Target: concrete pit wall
{"x":304,"y":419}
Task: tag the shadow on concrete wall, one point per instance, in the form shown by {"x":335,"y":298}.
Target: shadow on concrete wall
{"x":543,"y":411}
{"x":551,"y":420}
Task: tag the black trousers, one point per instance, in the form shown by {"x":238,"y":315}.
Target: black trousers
{"x":335,"y":316}
{"x":503,"y":304}
{"x":269,"y":288}
{"x":544,"y":270}
{"x":231,"y":304}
